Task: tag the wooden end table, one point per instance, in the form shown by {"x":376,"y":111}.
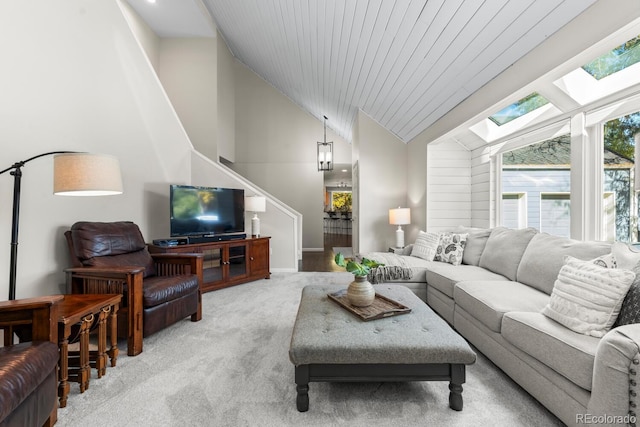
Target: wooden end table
{"x":85,"y":309}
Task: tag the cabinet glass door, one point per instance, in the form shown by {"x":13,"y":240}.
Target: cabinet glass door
{"x":212,"y":265}
{"x":237,"y":261}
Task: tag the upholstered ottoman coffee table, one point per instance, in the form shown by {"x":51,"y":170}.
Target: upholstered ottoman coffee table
{"x":331,"y":344}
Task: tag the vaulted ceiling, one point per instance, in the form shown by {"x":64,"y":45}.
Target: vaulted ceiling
{"x":405,"y":63}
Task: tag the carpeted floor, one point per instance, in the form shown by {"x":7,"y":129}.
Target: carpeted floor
{"x":232,"y":369}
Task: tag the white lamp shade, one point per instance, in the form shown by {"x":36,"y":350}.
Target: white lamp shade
{"x":400,"y":216}
{"x":255,"y":204}
{"x":84,"y":174}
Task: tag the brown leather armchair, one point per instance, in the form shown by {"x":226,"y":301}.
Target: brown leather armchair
{"x":158,"y":290}
{"x":29,"y":370}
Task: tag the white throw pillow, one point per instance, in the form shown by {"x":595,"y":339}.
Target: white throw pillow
{"x":586,"y":297}
{"x":625,"y":256}
{"x":425,"y":245}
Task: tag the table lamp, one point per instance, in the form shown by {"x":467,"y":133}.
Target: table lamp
{"x":399,"y":216}
{"x":255,"y":204}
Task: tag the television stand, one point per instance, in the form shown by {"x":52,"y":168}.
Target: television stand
{"x":227,"y":262}
{"x":215,"y":238}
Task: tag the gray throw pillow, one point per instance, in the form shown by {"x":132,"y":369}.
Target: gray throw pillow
{"x":476,"y":241}
{"x":630,"y":310}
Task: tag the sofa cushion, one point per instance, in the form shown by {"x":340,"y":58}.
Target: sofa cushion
{"x":488,"y":301}
{"x":141,"y":258}
{"x":476,"y":242}
{"x":91,"y":239}
{"x":504,"y":250}
{"x":111,"y":244}
{"x":425,"y":245}
{"x":568,"y":353}
{"x":450,"y":248}
{"x":160,"y":289}
{"x":544,"y":257}
{"x":24,"y":367}
{"x":586,"y":297}
{"x":444,"y":277}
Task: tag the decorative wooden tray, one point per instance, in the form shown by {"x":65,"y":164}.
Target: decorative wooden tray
{"x":380,"y":308}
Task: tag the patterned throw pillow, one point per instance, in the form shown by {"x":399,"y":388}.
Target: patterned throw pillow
{"x":630,"y":310}
{"x":425,"y":245}
{"x":606,"y":261}
{"x":586,"y":298}
{"x":451,"y":248}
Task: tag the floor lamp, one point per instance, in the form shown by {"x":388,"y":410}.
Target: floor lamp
{"x":74,"y":174}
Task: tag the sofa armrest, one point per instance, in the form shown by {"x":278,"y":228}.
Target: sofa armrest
{"x":616,"y":374}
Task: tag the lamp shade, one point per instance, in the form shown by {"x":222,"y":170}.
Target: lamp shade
{"x":84,"y":174}
{"x":255,"y":204}
{"x":400,"y":216}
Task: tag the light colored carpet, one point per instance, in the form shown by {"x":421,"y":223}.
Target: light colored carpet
{"x":347,"y":252}
{"x":232,"y":369}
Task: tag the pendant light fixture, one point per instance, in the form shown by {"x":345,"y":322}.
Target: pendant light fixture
{"x":325,"y":151}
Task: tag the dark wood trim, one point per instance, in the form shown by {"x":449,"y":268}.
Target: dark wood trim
{"x":379,"y":372}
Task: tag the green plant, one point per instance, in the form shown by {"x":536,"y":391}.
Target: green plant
{"x":357,"y":268}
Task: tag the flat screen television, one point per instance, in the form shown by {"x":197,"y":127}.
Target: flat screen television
{"x":202,"y":211}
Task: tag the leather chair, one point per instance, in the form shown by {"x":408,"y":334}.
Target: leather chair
{"x":157,"y":290}
{"x":29,"y":370}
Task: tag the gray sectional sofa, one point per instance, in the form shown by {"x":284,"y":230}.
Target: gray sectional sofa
{"x":495,"y":299}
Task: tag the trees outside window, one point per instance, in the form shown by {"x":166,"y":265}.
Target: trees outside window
{"x":619,"y":156}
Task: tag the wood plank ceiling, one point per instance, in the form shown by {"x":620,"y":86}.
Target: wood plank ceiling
{"x":405,"y":63}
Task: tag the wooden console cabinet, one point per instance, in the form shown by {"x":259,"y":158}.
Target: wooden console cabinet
{"x":227,"y":263}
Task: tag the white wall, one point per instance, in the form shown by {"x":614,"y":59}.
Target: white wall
{"x":188,"y":71}
{"x":382,"y":160}
{"x":276,"y":149}
{"x":149,"y":41}
{"x":278,"y":221}
{"x":226,"y":103}
{"x":448,"y":186}
{"x":74,"y":78}
{"x":482,"y":189}
{"x":416,"y":189}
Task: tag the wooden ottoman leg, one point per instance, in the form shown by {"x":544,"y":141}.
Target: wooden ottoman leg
{"x":302,"y":388}
{"x":455,"y":387}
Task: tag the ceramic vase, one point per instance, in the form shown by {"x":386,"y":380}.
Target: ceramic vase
{"x":360,"y":292}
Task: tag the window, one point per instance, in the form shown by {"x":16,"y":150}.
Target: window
{"x":555,"y":213}
{"x":514,"y":210}
{"x":540,"y":174}
{"x":619,"y":148}
{"x":519,"y":109}
{"x":615,"y":60}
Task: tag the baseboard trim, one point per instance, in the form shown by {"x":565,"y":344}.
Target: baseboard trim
{"x":284,"y":270}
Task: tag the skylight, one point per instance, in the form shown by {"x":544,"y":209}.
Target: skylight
{"x":519,"y":108}
{"x":616,"y":60}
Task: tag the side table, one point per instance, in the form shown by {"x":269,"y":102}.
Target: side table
{"x":84,"y":310}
